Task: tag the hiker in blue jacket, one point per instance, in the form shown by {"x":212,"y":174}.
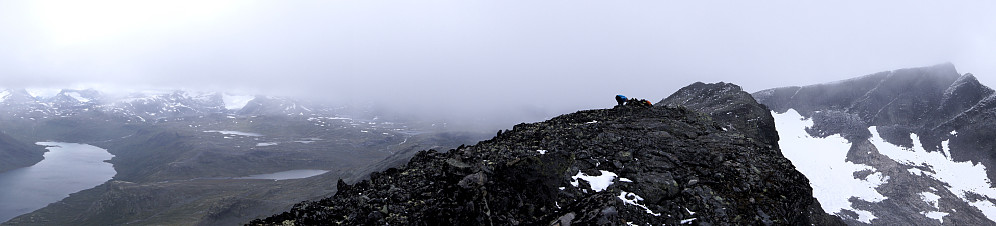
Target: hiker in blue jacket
{"x":620,"y":99}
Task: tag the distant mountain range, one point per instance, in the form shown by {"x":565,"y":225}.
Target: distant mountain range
{"x":150,"y":105}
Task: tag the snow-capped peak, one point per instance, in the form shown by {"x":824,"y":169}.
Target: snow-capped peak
{"x":78,"y":97}
{"x":43,"y":93}
{"x":4,"y":95}
{"x":233,"y":102}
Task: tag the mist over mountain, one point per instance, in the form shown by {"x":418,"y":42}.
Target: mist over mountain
{"x":478,"y":61}
{"x":910,"y":146}
{"x":225,"y":112}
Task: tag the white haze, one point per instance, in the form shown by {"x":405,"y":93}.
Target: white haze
{"x":481,"y":60}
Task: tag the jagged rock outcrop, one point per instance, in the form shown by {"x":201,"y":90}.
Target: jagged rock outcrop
{"x":728,"y":103}
{"x":627,"y":165}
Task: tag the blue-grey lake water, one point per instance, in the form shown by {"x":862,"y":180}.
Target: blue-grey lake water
{"x":66,"y":169}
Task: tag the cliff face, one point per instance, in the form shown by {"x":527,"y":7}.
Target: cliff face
{"x":639,"y":165}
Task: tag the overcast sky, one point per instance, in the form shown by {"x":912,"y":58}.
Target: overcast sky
{"x":559,"y":55}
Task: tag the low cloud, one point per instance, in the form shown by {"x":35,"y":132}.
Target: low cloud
{"x":509,"y":60}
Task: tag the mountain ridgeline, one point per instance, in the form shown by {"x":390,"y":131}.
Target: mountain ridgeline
{"x":681,"y":161}
{"x":935,"y":103}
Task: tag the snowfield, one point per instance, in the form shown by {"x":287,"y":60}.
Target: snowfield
{"x":233,"y":102}
{"x":823,"y":162}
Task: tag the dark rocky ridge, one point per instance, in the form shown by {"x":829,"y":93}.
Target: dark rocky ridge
{"x":686,"y":166}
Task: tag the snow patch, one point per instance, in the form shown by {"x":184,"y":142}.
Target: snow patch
{"x":78,"y":97}
{"x":963,"y":178}
{"x":43,"y":92}
{"x":598,"y":183}
{"x":865,"y":216}
{"x":936,"y":215}
{"x":266,"y":144}
{"x":4,"y":94}
{"x":930,"y":198}
{"x":233,"y":102}
{"x":308,"y":140}
{"x":823,"y":161}
{"x":542,"y":152}
{"x":229,"y":132}
{"x":631,"y":198}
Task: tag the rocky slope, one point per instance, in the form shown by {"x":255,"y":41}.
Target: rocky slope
{"x":15,"y":153}
{"x":919,"y":131}
{"x":626,"y":165}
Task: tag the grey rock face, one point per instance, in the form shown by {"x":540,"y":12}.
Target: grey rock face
{"x":728,"y":103}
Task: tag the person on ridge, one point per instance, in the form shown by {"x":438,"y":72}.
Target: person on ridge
{"x":620,"y":99}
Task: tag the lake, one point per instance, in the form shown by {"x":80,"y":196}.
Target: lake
{"x":66,"y":169}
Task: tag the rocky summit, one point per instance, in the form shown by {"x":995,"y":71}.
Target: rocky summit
{"x":637,"y":165}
